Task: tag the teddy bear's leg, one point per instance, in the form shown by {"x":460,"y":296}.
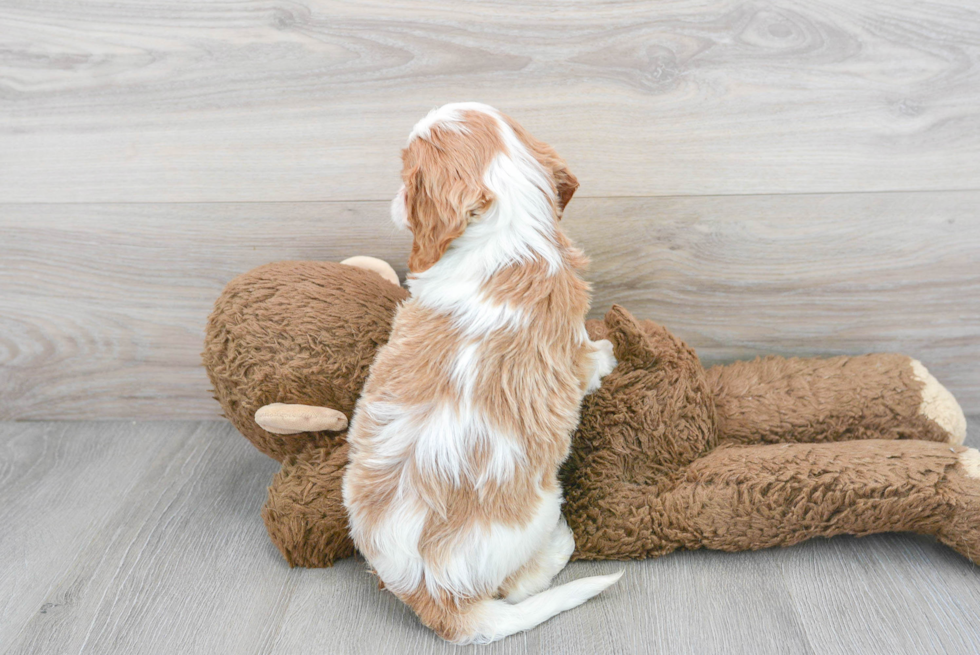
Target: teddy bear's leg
{"x":750,"y":497}
{"x":304,"y":513}
{"x":962,"y":531}
{"x":881,"y":396}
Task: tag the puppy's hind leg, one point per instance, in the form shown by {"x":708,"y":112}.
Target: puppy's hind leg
{"x":537,"y":574}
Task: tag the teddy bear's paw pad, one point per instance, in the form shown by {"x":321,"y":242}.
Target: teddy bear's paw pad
{"x":970,"y":461}
{"x":282,"y":418}
{"x":379,"y":266}
{"x":939,"y":405}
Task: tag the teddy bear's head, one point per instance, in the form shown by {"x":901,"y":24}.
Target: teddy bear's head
{"x":296,"y":332}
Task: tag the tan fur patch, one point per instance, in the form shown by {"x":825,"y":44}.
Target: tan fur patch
{"x":970,"y":461}
{"x":445,"y":614}
{"x":444,"y":189}
{"x":939,"y":405}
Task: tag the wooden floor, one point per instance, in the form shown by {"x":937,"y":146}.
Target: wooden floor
{"x":131,"y":538}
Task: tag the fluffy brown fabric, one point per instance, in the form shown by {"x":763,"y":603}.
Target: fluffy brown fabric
{"x":296,"y":332}
{"x":305,"y":512}
{"x":667,"y":455}
{"x":834,"y":399}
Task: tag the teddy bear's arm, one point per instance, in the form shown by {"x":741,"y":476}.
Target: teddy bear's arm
{"x":880,"y":396}
{"x":752,"y":497}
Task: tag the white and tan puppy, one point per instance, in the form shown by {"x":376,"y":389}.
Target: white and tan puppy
{"x":452,"y":487}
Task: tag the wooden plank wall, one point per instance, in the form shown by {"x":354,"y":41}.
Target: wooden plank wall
{"x":789,"y":177}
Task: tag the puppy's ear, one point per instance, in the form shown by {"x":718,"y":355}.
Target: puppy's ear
{"x":565,"y":182}
{"x":441,"y":201}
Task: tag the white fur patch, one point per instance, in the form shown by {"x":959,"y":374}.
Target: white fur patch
{"x":399,"y":210}
{"x":390,"y":444}
{"x":519,"y":226}
{"x":603,"y":362}
{"x":461,"y":296}
{"x":443,"y":443}
{"x":939,"y":405}
{"x":506,"y":456}
{"x":448,"y":117}
{"x":395,"y":542}
{"x":551,"y":559}
{"x":970,"y":461}
{"x":447,"y":438}
{"x":464,"y":371}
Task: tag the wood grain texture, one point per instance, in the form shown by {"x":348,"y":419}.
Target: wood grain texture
{"x":174,"y":100}
{"x":102,"y":307}
{"x":848,"y":592}
{"x":175,"y":569}
{"x":799,"y":275}
{"x":60,"y":486}
{"x":180,"y":563}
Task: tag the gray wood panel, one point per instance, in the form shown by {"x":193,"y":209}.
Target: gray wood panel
{"x":851,"y":594}
{"x":102,"y":307}
{"x":60,"y":486}
{"x":808,"y":275}
{"x":180,"y":563}
{"x":175,"y":100}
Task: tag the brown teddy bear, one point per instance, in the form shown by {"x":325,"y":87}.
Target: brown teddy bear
{"x":667,"y":455}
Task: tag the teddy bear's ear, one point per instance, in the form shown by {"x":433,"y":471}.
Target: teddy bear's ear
{"x":630,"y":343}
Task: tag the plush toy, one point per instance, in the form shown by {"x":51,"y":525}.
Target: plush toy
{"x":667,"y":455}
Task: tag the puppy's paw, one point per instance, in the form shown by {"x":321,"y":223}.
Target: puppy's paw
{"x":604,"y":362}
{"x":605,"y":358}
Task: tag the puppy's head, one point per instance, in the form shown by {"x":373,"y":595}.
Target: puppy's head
{"x":444,"y":174}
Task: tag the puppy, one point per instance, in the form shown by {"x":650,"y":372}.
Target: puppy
{"x":467,"y":414}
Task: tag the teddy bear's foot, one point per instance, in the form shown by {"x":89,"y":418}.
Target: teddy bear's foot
{"x":939,"y":405}
{"x":305,"y":513}
{"x":379,"y":266}
{"x":962,"y":531}
{"x":282,"y":418}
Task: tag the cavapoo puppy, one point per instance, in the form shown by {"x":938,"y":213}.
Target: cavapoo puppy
{"x":452,"y":487}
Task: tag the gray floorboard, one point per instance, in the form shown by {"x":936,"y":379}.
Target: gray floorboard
{"x":146,"y":538}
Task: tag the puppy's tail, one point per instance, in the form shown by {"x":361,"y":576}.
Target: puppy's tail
{"x":495,"y":619}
